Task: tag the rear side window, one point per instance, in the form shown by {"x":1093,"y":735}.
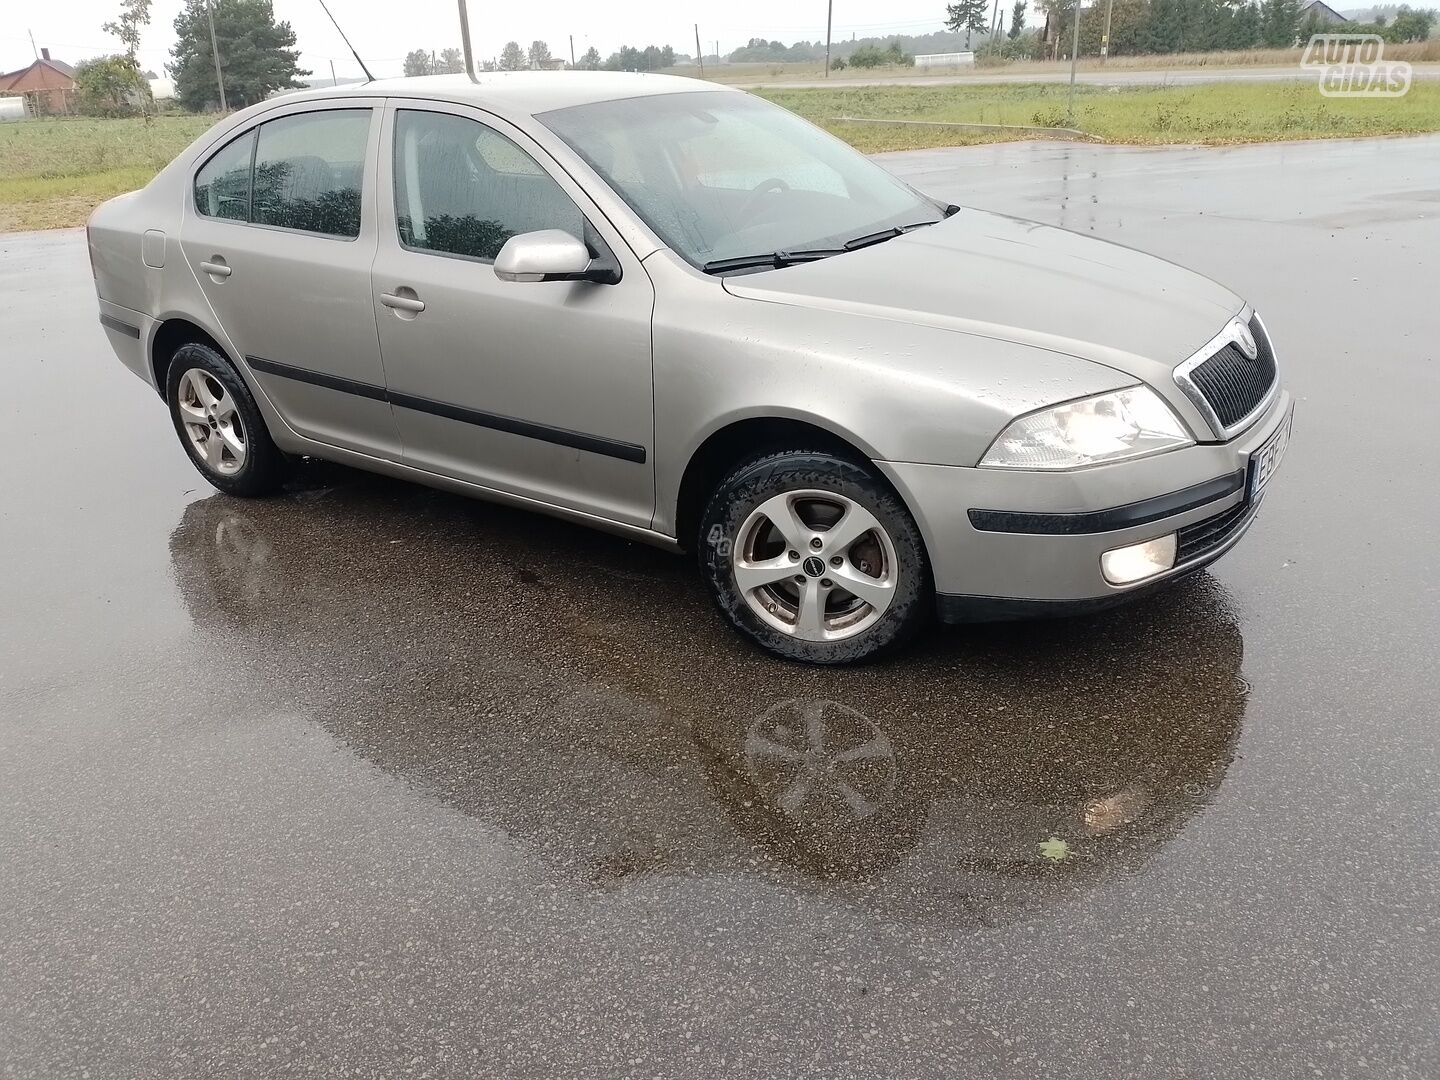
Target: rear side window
{"x":299,"y":172}
{"x":462,"y":188}
{"x":222,"y":187}
{"x":308,"y":170}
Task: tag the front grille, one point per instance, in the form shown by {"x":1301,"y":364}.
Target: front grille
{"x":1199,"y":539}
{"x":1232,"y":383}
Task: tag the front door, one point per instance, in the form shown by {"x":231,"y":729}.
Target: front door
{"x":280,"y":234}
{"x":538,"y":389}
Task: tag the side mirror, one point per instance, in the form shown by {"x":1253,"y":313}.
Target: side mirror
{"x":546,"y":255}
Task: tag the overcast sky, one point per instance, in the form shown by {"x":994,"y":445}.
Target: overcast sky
{"x":384,"y":30}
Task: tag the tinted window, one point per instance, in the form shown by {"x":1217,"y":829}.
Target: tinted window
{"x":222,"y":186}
{"x":463,"y":189}
{"x":308,"y":171}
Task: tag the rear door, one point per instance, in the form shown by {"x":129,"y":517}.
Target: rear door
{"x":538,"y":389}
{"x":280,"y":233}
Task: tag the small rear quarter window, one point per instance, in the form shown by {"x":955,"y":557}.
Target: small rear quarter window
{"x":222,"y":186}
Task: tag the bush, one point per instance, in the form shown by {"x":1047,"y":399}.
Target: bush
{"x":838,"y":64}
{"x":110,"y":86}
{"x":871,"y":56}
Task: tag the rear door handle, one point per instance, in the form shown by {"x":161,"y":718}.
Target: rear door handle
{"x":217,"y":268}
{"x":402,"y":303}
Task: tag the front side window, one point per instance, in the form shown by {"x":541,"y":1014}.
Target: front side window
{"x":222,"y":186}
{"x":720,"y":175}
{"x":463,"y":189}
{"x":301,"y":172}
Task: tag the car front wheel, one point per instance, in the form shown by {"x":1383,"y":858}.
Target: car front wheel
{"x":815,"y":558}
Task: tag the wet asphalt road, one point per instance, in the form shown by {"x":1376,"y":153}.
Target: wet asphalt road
{"x":373,"y":781}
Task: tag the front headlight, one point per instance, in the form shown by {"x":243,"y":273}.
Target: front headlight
{"x":1107,"y":427}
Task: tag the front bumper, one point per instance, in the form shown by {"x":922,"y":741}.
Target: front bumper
{"x":988,"y":571}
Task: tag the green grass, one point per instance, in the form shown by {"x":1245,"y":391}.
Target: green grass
{"x":53,"y":172}
{"x":1212,"y":113}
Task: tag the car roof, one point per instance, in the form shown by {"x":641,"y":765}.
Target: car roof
{"x":525,"y":92}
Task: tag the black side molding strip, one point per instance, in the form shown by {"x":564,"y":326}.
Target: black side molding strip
{"x":123,"y":327}
{"x":1116,"y":517}
{"x":596,"y":444}
{"x":578,"y":440}
{"x":317,"y":378}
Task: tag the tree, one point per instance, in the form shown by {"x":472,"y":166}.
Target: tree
{"x":591,"y":60}
{"x":1410,"y":25}
{"x":452,"y":61}
{"x":257,"y":54}
{"x":1279,"y":20}
{"x":417,"y":62}
{"x":539,"y":54}
{"x":971,"y":16}
{"x":134,"y":16}
{"x":110,"y":86}
{"x":1017,"y":20}
{"x":512,"y":57}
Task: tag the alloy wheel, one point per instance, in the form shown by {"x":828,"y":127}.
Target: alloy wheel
{"x":212,"y":424}
{"x":815,"y":565}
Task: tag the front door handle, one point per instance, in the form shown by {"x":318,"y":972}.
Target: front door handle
{"x":216,"y":267}
{"x":411,"y":303}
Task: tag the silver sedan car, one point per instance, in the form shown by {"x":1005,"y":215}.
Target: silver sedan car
{"x":683,"y":314}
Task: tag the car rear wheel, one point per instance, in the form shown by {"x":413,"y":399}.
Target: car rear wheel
{"x":815,"y":558}
{"x":220,"y":425}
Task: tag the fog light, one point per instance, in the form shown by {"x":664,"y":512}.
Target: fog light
{"x":1129,"y":564}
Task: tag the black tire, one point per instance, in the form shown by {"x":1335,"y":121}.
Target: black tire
{"x":263,"y":468}
{"x":742,"y":493}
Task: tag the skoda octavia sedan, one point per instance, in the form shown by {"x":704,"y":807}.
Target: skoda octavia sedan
{"x":682,"y":314}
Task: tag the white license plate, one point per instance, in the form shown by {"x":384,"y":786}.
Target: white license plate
{"x":1264,"y":461}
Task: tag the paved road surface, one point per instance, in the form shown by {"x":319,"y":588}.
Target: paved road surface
{"x":1115,"y":77}
{"x":373,"y":781}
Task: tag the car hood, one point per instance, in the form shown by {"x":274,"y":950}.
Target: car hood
{"x":1002,"y":277}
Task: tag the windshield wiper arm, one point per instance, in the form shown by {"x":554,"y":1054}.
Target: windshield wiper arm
{"x":774,"y":260}
{"x":883,"y":235}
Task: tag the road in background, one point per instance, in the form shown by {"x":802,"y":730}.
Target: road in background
{"x":1183,"y":76}
{"x":371,"y":780}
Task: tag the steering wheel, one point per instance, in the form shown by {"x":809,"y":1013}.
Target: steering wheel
{"x":760,"y":190}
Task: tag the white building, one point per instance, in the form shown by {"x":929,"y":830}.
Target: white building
{"x":944,"y":59}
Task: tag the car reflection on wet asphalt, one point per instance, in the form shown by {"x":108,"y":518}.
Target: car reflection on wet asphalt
{"x":910,"y":786}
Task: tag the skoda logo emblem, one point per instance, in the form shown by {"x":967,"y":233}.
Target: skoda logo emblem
{"x":1246,"y":341}
{"x":813,"y":566}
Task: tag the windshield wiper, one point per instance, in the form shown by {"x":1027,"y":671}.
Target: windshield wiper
{"x":773,"y":260}
{"x":883,"y":235}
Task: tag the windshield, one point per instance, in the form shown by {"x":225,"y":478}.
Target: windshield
{"x":720,"y":175}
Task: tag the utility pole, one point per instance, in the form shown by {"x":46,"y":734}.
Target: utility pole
{"x":699,"y":56}
{"x":994,"y":14}
{"x":1105,"y":38}
{"x":215,"y":52}
{"x":829,"y":16}
{"x":572,"y":52}
{"x":1074,"y":56}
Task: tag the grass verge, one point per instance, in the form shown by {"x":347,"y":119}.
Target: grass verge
{"x":53,"y":172}
{"x":1210,"y":113}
